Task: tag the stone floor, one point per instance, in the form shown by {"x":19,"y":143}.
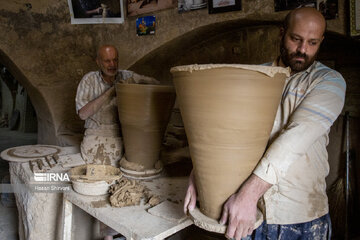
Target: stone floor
{"x":8,"y":211}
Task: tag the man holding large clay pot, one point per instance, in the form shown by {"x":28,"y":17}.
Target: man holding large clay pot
{"x":290,"y":177}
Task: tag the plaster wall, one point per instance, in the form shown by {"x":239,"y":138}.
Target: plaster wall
{"x":48,"y":55}
{"x":20,"y":104}
{"x":6,"y":99}
{"x":27,"y":120}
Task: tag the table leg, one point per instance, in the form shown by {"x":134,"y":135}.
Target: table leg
{"x":67,"y":219}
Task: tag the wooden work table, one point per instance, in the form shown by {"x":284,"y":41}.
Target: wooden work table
{"x":136,"y":222}
{"x":42,"y":217}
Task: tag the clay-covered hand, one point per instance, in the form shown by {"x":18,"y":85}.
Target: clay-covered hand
{"x":111,"y":92}
{"x":141,"y":79}
{"x":95,"y":105}
{"x":240,"y":213}
{"x":240,"y":209}
{"x":191,"y":194}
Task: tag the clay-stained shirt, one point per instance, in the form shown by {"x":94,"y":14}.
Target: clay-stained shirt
{"x":296,"y":161}
{"x":92,"y":86}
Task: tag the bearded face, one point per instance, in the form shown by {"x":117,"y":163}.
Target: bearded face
{"x":293,"y":57}
{"x":108,"y":61}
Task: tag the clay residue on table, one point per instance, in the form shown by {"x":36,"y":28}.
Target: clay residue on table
{"x":99,"y":204}
{"x":92,"y":173}
{"x":129,"y":192}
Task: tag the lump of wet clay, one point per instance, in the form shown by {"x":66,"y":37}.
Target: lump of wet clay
{"x":129,"y":192}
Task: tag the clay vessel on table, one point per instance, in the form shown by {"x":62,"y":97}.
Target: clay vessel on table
{"x":228,"y":113}
{"x":144,"y":112}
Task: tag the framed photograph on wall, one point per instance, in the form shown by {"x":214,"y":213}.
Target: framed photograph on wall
{"x":190,"y":5}
{"x":219,"y":6}
{"x":354,"y":18}
{"x":329,"y":8}
{"x":283,"y":5}
{"x":96,"y":11}
{"x":137,"y":7}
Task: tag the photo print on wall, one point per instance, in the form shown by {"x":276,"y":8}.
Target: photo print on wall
{"x":96,"y":11}
{"x":329,"y":8}
{"x":137,"y":7}
{"x":188,"y":5}
{"x":145,"y":25}
{"x":219,"y":6}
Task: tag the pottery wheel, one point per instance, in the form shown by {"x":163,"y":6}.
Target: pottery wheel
{"x":212,"y":225}
{"x":141,"y":174}
{"x":29,"y":152}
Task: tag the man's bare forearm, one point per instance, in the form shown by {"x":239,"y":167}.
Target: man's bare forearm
{"x":93,"y":106}
{"x":254,"y":187}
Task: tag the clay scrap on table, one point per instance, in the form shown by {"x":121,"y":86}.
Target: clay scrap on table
{"x":92,"y":173}
{"x":129,"y":192}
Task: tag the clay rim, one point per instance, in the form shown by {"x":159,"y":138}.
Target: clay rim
{"x":211,"y":225}
{"x":99,"y":188}
{"x":147,"y":86}
{"x":267,"y":70}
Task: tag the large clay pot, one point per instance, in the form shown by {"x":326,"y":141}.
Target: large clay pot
{"x":228,"y":113}
{"x":144,"y":112}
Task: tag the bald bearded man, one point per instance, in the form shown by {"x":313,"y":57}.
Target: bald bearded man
{"x":290,"y":177}
{"x":96,"y":104}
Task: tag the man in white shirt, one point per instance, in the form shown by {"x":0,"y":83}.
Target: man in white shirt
{"x":290,"y":177}
{"x":96,"y":104}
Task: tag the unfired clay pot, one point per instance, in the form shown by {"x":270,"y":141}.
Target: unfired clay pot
{"x":144,"y":112}
{"x":228,"y":113}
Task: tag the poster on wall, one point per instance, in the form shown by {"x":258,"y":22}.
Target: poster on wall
{"x":96,"y":11}
{"x":282,"y":5}
{"x":329,"y":8}
{"x":137,"y":7}
{"x":188,"y":5}
{"x":354,"y":18}
{"x":219,"y":6}
{"x":145,"y":25}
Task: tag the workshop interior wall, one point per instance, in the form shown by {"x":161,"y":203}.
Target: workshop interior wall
{"x":51,"y":55}
{"x":48,"y":55}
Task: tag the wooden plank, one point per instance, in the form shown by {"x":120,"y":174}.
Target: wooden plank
{"x":169,"y":211}
{"x":67,"y":213}
{"x":135,"y":222}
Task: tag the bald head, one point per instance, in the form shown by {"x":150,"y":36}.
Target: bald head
{"x":104,"y":49}
{"x":107,"y":60}
{"x":307,"y":15}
